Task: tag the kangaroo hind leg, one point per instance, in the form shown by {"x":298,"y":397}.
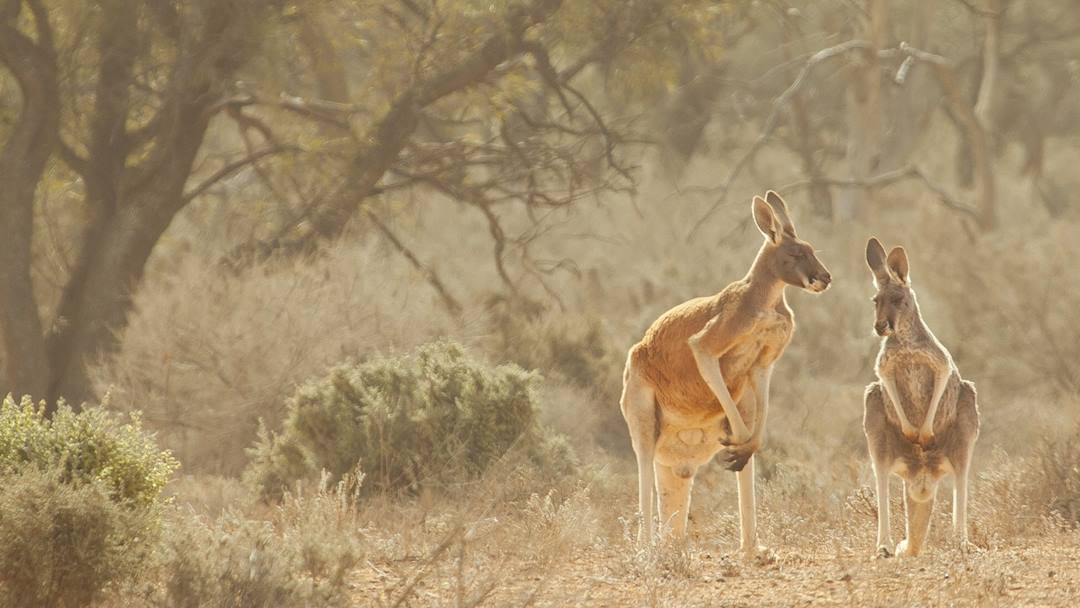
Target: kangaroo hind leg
{"x":675,"y":485}
{"x":919,"y":505}
{"x":638,"y":404}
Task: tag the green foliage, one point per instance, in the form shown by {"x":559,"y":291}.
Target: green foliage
{"x":87,"y":447}
{"x":642,"y":62}
{"x":64,"y":544}
{"x":435,"y":416}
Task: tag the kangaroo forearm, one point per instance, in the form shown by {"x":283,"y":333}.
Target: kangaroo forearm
{"x":940,"y":382}
{"x":709,"y":369}
{"x":890,"y":390}
{"x":761,"y":394}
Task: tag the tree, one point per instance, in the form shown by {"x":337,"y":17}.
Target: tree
{"x":489,"y":104}
{"x":134,"y":151}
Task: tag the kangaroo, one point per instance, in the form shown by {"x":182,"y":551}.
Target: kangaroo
{"x":918,"y":384}
{"x":701,"y":375}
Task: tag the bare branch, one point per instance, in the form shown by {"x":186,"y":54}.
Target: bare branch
{"x":892,"y":177}
{"x":232,"y":168}
{"x":773,"y":120}
{"x":451,"y":303}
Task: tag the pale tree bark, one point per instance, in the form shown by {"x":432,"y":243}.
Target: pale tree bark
{"x":30,"y":142}
{"x":330,"y":79}
{"x":992,"y":16}
{"x":908,"y":109}
{"x":983,"y":117}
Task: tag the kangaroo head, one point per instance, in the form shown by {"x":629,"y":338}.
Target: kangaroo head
{"x":789,"y":258}
{"x":894,"y":300}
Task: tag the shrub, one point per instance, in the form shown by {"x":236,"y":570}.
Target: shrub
{"x":575,"y":349}
{"x":301,"y":559}
{"x":63,"y":544}
{"x":582,"y":368}
{"x":436,"y":416}
{"x":92,"y":445}
{"x":1060,"y":460}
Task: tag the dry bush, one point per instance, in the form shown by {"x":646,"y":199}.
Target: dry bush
{"x":1060,"y":464}
{"x":236,"y":563}
{"x":581,"y":365}
{"x":301,"y":555}
{"x":208,"y":354}
{"x":64,"y":544}
{"x":433,"y":417}
{"x":560,"y":522}
{"x":324,"y":528}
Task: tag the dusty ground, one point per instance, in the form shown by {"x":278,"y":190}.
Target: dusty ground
{"x":1042,"y":574}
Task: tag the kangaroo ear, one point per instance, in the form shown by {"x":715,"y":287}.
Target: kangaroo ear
{"x":780,"y":207}
{"x":875,"y":259}
{"x":898,"y":264}
{"x":766,"y":220}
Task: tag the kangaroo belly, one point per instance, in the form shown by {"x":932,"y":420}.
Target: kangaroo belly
{"x":690,"y":446}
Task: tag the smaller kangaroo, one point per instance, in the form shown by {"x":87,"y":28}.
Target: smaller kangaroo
{"x":921,"y":418}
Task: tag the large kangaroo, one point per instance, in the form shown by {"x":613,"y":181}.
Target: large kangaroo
{"x":702,"y":371}
{"x":919,"y":385}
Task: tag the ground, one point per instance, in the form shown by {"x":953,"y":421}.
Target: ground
{"x":1038,"y":575}
{"x":575,"y":546}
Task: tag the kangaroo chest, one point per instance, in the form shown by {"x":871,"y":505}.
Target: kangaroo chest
{"x":913,"y":375}
{"x":760,"y":347}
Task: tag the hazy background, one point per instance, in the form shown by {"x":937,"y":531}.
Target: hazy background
{"x":207,"y":203}
{"x":567,"y":241}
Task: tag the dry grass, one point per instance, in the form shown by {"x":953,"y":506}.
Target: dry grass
{"x":575,"y":546}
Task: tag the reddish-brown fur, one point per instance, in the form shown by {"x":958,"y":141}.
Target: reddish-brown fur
{"x":665,"y":361}
{"x":698,"y":381}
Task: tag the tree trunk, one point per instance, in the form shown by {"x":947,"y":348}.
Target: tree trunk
{"x":864,"y":103}
{"x":806,"y":142}
{"x":132,"y":204}
{"x":908,"y":108}
{"x":117,"y":244}
{"x":22,"y":162}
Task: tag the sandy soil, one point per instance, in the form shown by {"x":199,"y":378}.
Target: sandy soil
{"x":1044,"y":574}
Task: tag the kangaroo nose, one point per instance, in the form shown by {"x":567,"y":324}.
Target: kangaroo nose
{"x":826,"y":278}
{"x":881,"y":327}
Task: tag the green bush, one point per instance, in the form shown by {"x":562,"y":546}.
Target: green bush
{"x":436,"y":416}
{"x":92,"y":445}
{"x":63,"y":544}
